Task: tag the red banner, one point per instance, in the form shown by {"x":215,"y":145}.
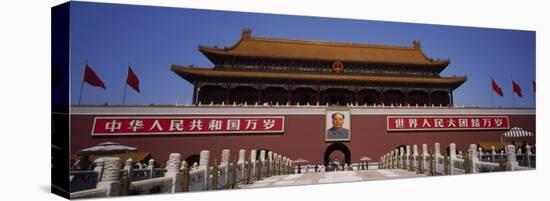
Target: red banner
{"x":109,"y":126}
{"x":414,"y":123}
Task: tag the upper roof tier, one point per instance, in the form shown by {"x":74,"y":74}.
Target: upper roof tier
{"x":258,"y":47}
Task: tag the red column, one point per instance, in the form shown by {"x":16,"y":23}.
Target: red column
{"x":355,"y":98}
{"x":406,"y":98}
{"x":227,"y":93}
{"x":318,"y":94}
{"x":451,"y":100}
{"x":289,"y":94}
{"x":381,"y":97}
{"x":259,"y":95}
{"x":194,"y":93}
{"x":429,"y":98}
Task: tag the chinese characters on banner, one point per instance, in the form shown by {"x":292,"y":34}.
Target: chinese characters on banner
{"x":413,"y":123}
{"x":186,"y":125}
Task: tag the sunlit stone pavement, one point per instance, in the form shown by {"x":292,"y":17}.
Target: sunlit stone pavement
{"x":331,"y":177}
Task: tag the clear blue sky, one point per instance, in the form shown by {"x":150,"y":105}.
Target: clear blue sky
{"x":109,"y":36}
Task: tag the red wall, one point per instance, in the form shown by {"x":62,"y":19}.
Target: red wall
{"x":303,"y":138}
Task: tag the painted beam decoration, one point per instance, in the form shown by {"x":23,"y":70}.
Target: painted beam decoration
{"x":117,"y":126}
{"x":434,"y":123}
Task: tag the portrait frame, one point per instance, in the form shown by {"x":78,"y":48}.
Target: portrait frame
{"x":329,"y":136}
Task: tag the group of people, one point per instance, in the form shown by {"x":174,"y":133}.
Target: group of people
{"x":84,"y":163}
{"x":323,"y":168}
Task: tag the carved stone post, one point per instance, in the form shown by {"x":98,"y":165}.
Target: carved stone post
{"x":425,"y":155}
{"x":398,"y":158}
{"x":240,"y":164}
{"x":173,"y":171}
{"x":253,"y":163}
{"x":233,"y":167}
{"x":511,"y":162}
{"x":419,"y":164}
{"x":279,"y":161}
{"x":128,"y":166}
{"x":225,"y":157}
{"x":258,"y":170}
{"x":452,"y":157}
{"x":99,"y":163}
{"x":446,"y":164}
{"x":493,"y":153}
{"x":124,"y":184}
{"x":203,"y":165}
{"x":474,"y":158}
{"x":437,"y":155}
{"x":263,"y":164}
{"x":409,"y":161}
{"x":283,"y":165}
{"x":184,"y":177}
{"x":214,"y":175}
{"x":392,"y":159}
{"x":479,"y":153}
{"x":274,"y":164}
{"x":466,"y":163}
{"x":432,"y":171}
{"x":270,"y":163}
{"x":528,"y":155}
{"x":403,"y":160}
{"x":415,"y":155}
{"x":111,"y":176}
{"x":226,"y":153}
{"x":248,"y":171}
{"x":151,"y":167}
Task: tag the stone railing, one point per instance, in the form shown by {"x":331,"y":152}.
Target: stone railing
{"x":85,"y":180}
{"x":452,"y":164}
{"x":527,"y":159}
{"x":107,"y":179}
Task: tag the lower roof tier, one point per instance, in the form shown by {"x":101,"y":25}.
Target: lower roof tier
{"x":192,"y":74}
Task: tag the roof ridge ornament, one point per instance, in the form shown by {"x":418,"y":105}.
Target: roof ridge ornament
{"x":247,"y":33}
{"x":416,"y":44}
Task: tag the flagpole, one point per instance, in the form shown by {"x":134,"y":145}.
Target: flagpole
{"x":513,"y":94}
{"x":125,"y":86}
{"x":124,"y":96}
{"x":82,"y":82}
{"x":534,"y":101}
{"x":492,"y":94}
{"x":534,"y":97}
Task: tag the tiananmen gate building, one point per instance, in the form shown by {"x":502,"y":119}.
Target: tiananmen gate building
{"x":287,"y":95}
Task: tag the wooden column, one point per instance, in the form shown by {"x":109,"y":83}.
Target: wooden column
{"x":406,"y":97}
{"x":355,"y":97}
{"x":381,"y":97}
{"x":227,"y":94}
{"x":318,"y":94}
{"x":451,"y":100}
{"x":195,"y":92}
{"x":289,"y":94}
{"x":429,"y":98}
{"x":259,"y":95}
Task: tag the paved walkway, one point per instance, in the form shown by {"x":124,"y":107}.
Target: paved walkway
{"x":331,"y":177}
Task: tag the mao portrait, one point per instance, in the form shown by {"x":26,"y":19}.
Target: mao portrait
{"x":337,"y":126}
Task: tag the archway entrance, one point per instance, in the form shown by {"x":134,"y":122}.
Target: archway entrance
{"x":339,"y":152}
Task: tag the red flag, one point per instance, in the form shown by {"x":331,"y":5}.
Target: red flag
{"x":132,"y":79}
{"x":516,"y":88}
{"x":91,"y":78}
{"x":534,"y":86}
{"x":496,"y":88}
